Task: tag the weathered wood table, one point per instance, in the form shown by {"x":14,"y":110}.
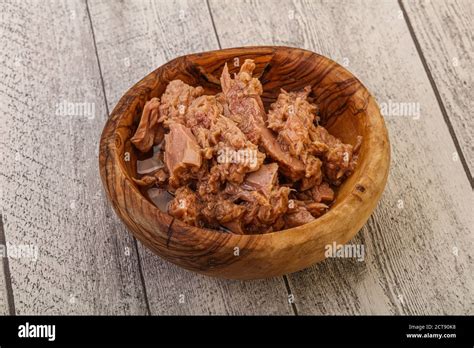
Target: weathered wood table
{"x":65,"y":64}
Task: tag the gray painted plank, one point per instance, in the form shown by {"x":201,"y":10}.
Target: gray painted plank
{"x":133,"y":38}
{"x":419,"y":241}
{"x":444,"y":30}
{"x":52,"y":197}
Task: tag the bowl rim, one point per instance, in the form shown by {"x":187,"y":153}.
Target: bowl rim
{"x":107,"y":141}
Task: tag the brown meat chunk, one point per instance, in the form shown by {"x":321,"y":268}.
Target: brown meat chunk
{"x":297,"y":216}
{"x":262,"y":210}
{"x":340,"y":159}
{"x":242,"y":98}
{"x":289,"y":166}
{"x":182,"y":154}
{"x":233,"y":156}
{"x":218,"y":209}
{"x":316,"y":209}
{"x":158,"y":177}
{"x":147,"y":130}
{"x":221,"y":141}
{"x":176,"y":100}
{"x":314,"y":174}
{"x":293,"y":116}
{"x":146,"y":181}
{"x":322,"y":193}
{"x":186,"y":206}
{"x":236,"y":156}
{"x":201,"y":118}
{"x":263,"y":179}
{"x":203,"y":112}
{"x":312,"y":199}
{"x":292,"y":105}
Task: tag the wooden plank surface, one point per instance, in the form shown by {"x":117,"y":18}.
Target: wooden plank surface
{"x":419,"y":241}
{"x":444,"y":31}
{"x":133,"y":38}
{"x":52,"y":197}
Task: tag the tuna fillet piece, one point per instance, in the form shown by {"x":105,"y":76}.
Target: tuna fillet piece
{"x":292,"y":116}
{"x":148,"y":133}
{"x":289,"y":166}
{"x":340,"y":159}
{"x":263,"y":200}
{"x":176,"y":100}
{"x":263,"y":179}
{"x":245,"y":107}
{"x":297,"y":215}
{"x":186,"y":206}
{"x":182,"y":154}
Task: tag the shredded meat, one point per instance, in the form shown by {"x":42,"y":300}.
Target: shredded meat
{"x":186,"y":206}
{"x":234,"y":167}
{"x":148,"y":129}
{"x":262,"y":209}
{"x":264,"y":179}
{"x":293,"y":117}
{"x":175,"y":101}
{"x":229,"y":154}
{"x":298,"y":215}
{"x":322,"y":193}
{"x":220,"y":210}
{"x":242,"y":97}
{"x":340,"y":159}
{"x":290,"y":166}
{"x":159,"y":177}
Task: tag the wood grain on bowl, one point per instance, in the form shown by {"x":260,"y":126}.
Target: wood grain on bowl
{"x":347,"y":110}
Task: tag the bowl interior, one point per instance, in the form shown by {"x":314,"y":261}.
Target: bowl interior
{"x":339,"y":95}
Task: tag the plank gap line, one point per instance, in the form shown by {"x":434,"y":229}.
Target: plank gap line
{"x":213,"y":24}
{"x":288,"y":289}
{"x":98,"y":60}
{"x":6,"y":271}
{"x":142,"y":279}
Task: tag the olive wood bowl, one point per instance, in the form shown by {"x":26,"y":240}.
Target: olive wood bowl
{"x":347,"y":109}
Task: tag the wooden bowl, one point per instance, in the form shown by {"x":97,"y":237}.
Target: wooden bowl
{"x":347,"y":109}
